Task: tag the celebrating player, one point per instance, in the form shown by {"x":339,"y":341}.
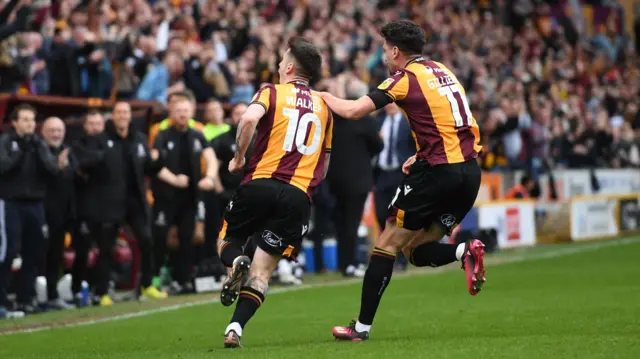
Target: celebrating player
{"x":290,"y":158}
{"x":442,"y":178}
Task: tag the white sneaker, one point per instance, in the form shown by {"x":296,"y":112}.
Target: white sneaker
{"x":285,"y":273}
{"x":350,"y":270}
{"x":60,"y":304}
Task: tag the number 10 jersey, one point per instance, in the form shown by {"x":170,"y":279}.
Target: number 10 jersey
{"x":292,"y":137}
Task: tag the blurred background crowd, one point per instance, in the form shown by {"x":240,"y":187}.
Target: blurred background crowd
{"x":550,"y":85}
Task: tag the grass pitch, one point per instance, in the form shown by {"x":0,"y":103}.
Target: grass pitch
{"x":564,"y":301}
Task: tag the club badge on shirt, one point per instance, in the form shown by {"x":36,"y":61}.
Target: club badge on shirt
{"x":386,"y":83}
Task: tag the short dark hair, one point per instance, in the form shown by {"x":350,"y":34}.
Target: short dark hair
{"x":239,"y":103}
{"x":22,"y":107}
{"x":406,"y":35}
{"x":92,"y":112}
{"x":186,"y":94}
{"x":307,"y":57}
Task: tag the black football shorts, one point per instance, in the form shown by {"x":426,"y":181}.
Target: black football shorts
{"x":276,"y":210}
{"x":440,"y":195}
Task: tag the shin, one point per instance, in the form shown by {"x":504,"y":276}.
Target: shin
{"x":426,"y":250}
{"x":379,"y":272}
{"x":253,"y":292}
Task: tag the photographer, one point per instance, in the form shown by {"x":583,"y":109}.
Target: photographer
{"x":26,"y":166}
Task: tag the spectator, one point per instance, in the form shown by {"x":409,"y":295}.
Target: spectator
{"x":19,"y":24}
{"x":521,"y":190}
{"x":350,"y":175}
{"x":214,"y":120}
{"x":162,"y":79}
{"x":26,"y":164}
{"x":59,"y":208}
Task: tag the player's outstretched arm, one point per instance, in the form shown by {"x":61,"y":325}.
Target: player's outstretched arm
{"x":352,"y":109}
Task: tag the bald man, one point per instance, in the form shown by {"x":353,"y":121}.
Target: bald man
{"x":59,"y":205}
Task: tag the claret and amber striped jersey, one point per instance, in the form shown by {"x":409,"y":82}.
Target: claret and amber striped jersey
{"x":292,"y":137}
{"x":434,"y":102}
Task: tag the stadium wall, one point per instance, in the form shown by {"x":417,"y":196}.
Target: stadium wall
{"x":591,"y":204}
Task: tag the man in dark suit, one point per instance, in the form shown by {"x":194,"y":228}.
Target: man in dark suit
{"x":398,"y":146}
{"x":350,"y":177}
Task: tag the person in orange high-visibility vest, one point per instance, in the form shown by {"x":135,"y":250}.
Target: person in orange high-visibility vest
{"x":522,"y":190}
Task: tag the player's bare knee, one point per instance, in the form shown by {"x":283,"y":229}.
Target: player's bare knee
{"x":387,"y":240}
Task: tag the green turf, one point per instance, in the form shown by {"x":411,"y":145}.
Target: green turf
{"x":578,"y":305}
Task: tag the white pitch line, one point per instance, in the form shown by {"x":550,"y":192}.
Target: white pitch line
{"x":500,"y":261}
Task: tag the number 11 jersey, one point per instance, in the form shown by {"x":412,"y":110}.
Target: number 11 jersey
{"x":292,"y":137}
{"x":436,"y":107}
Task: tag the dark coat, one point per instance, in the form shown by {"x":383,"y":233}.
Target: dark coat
{"x":355,"y":143}
{"x":102,"y":188}
{"x":26,"y":165}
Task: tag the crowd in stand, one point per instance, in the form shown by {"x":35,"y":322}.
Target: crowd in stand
{"x":538,"y":83}
{"x":546,"y":93}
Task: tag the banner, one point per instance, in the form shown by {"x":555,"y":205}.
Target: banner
{"x":593,"y":218}
{"x":572,"y":183}
{"x":553,"y":222}
{"x":629,"y":214}
{"x":514,"y":221}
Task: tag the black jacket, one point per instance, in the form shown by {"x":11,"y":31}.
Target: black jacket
{"x":355,"y":143}
{"x":168,"y":144}
{"x":102,"y":188}
{"x":26,"y":165}
{"x":225,"y":149}
{"x":59,"y":203}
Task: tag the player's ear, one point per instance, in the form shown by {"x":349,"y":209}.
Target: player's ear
{"x":395,"y":51}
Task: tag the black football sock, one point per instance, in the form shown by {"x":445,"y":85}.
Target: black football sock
{"x":434,"y":254}
{"x":376,"y":280}
{"x":229,"y":251}
{"x":248,"y":303}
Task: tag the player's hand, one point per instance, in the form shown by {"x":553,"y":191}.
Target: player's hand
{"x":155,"y":154}
{"x":182,"y":181}
{"x":236,"y":165}
{"x":324,"y":95}
{"x":217,"y":186}
{"x":63,"y":158}
{"x":406,"y":166}
{"x":206,"y":184}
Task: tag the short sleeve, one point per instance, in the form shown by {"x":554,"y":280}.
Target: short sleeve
{"x":395,"y":86}
{"x":393,"y":89}
{"x":263,"y":97}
